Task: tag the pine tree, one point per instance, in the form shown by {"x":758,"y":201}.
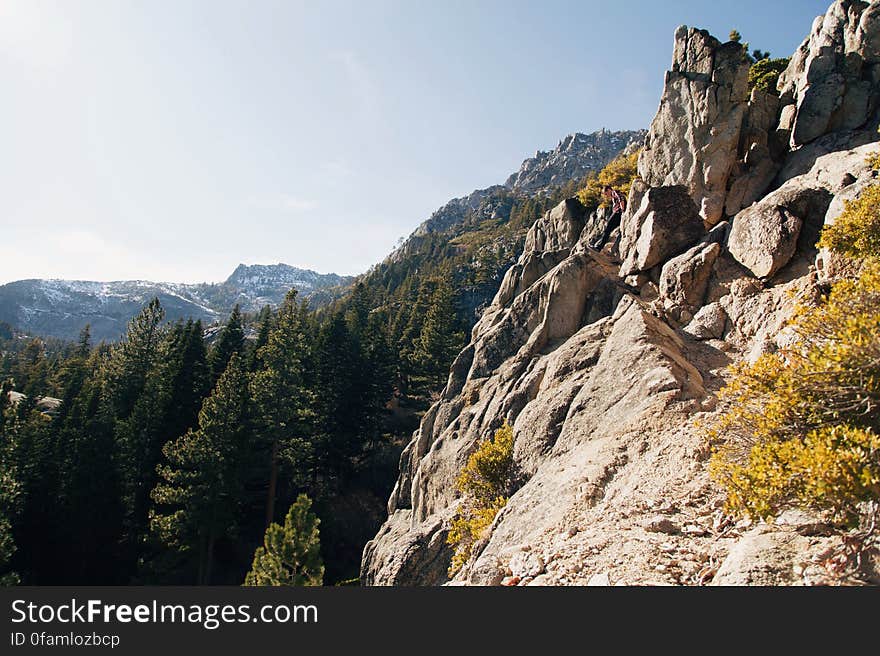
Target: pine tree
{"x":30,"y":469}
{"x":282,"y":400}
{"x":290,"y":555}
{"x":409,"y":339}
{"x":187,"y":370}
{"x":200,"y":490}
{"x":134,"y":357}
{"x":339,"y":399}
{"x":230,"y":341}
{"x":266,"y":322}
{"x":438,"y":341}
{"x":9,"y":495}
{"x":89,"y":509}
{"x":138,"y":391}
{"x":33,"y":370}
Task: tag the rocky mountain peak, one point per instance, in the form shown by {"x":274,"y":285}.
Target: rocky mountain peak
{"x":573,"y":158}
{"x":281,"y":274}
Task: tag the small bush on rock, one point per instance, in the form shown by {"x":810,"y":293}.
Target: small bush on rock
{"x":618,"y":173}
{"x":764,"y":74}
{"x":856,"y":232}
{"x":485,"y":483}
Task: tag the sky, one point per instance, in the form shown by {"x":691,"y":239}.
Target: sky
{"x":171,"y":140}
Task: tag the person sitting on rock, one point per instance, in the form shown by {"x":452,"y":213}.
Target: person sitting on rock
{"x":618,"y":205}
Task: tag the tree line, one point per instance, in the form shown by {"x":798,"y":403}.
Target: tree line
{"x":167,"y":458}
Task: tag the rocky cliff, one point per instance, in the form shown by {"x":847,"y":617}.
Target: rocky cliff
{"x":603,"y":361}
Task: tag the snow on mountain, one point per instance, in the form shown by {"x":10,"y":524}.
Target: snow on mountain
{"x":61,"y":308}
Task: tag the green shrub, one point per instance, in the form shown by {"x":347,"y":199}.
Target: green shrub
{"x":873,"y":160}
{"x":291,"y":554}
{"x":764,"y":74}
{"x":485,"y":483}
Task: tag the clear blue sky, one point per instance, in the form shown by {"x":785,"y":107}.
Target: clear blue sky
{"x":171,"y":140}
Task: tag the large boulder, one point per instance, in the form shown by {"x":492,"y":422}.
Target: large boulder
{"x":694,"y":138}
{"x":683,"y":279}
{"x":665,"y":223}
{"x":596,"y":225}
{"x":764,"y":236}
{"x":787,"y":554}
{"x":559,"y":229}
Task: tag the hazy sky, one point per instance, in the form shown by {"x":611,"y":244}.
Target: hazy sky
{"x":171,"y":140}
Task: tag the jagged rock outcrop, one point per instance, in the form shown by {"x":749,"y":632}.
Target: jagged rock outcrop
{"x":605,"y":362}
{"x":832,"y":83}
{"x":758,"y":155}
{"x":694,"y":137}
{"x":728,"y":145}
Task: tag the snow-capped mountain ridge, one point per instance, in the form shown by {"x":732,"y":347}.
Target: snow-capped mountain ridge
{"x":61,"y":308}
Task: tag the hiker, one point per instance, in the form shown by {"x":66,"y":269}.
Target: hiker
{"x":618,"y":205}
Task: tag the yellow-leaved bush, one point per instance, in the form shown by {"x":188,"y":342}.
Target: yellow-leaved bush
{"x":618,"y":173}
{"x":800,"y":427}
{"x":485,"y":484}
{"x":856,"y":232}
{"x":874,"y":159}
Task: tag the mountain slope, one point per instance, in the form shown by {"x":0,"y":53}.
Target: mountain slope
{"x":473,"y":240}
{"x":601,"y":361}
{"x":61,"y":308}
{"x":574,"y":157}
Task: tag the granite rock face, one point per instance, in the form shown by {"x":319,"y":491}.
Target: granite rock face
{"x":831,"y":83}
{"x":694,"y":138}
{"x":604,"y":361}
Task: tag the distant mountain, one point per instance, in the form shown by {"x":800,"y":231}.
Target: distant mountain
{"x":478,"y":236}
{"x":61,"y":308}
{"x":257,"y":285}
{"x":574,"y":157}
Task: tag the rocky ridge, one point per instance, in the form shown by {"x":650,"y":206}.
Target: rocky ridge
{"x":61,"y":308}
{"x":574,"y":157}
{"x":604,"y":360}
